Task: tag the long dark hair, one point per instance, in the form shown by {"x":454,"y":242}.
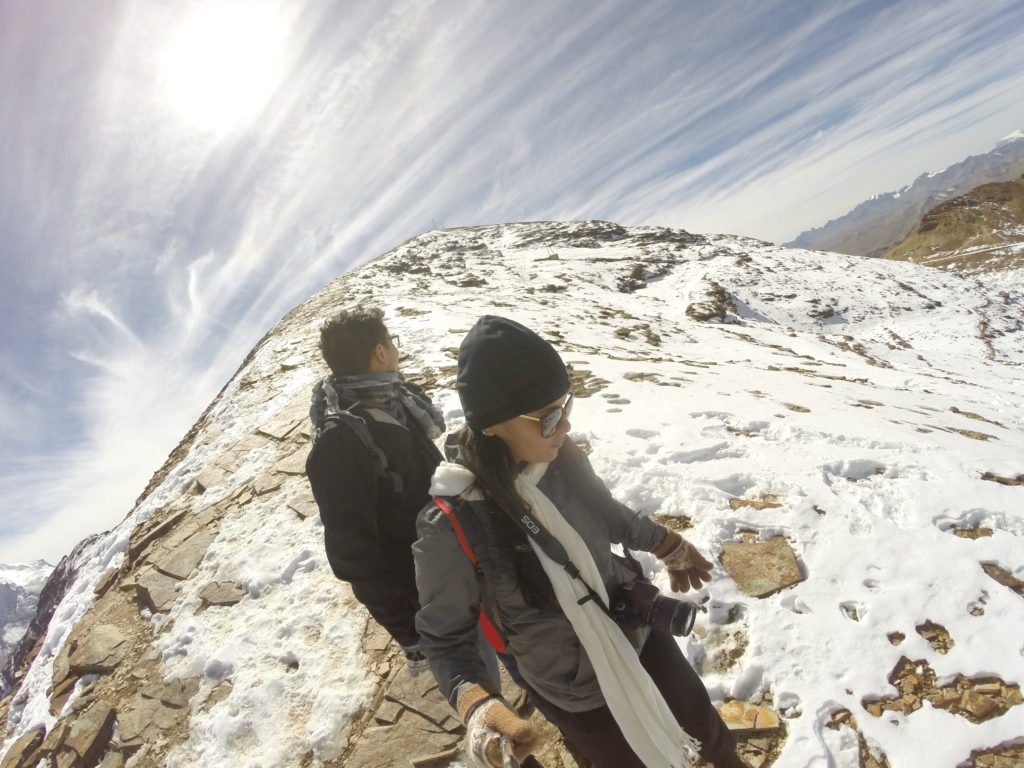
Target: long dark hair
{"x":495,"y":468}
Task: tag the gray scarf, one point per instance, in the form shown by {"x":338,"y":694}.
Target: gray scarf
{"x":386,"y":391}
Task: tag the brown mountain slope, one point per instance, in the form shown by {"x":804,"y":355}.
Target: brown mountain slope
{"x":982,"y":231}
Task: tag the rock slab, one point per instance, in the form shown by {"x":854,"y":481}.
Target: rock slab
{"x":762,"y":568}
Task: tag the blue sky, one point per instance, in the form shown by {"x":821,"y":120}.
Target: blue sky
{"x":178,"y":175}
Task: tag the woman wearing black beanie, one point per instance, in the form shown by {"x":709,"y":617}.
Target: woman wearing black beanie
{"x":518,"y":540}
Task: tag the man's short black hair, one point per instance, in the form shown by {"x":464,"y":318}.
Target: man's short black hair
{"x":347,"y":339}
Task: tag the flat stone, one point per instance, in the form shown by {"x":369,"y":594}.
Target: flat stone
{"x":978,"y":705}
{"x":266,"y":483}
{"x":175,"y":693}
{"x":180,"y":560}
{"x":763,"y":568}
{"x":742,"y":717}
{"x":61,"y":670}
{"x":113,"y":759}
{"x":278,"y":429}
{"x":769,"y":502}
{"x":21,"y":751}
{"x":436,"y":758}
{"x":421,"y":696}
{"x":106,"y":582}
{"x":304,"y":506}
{"x":155,"y":591}
{"x":1004,"y":577}
{"x":150,"y":531}
{"x":91,"y":731}
{"x":209,"y":478}
{"x":99,"y":652}
{"x":388,"y":713}
{"x":294,"y":464}
{"x":217,"y":695}
{"x":144,"y":719}
{"x":61,"y":693}
{"x":55,"y":738}
{"x":222,"y":593}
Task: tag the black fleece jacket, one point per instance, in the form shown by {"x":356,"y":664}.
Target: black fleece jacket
{"x":368,"y":528}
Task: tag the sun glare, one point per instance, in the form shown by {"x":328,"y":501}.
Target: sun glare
{"x":223,"y":63}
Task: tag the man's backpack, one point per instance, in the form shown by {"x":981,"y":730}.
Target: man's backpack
{"x":357,"y":424}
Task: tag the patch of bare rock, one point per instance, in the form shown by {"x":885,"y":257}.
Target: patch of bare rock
{"x":976,"y":699}
{"x":761,"y":568}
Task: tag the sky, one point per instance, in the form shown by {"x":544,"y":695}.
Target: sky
{"x":176,"y":176}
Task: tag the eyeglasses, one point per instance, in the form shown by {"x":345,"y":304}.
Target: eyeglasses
{"x":549,"y":421}
{"x":394,"y":339}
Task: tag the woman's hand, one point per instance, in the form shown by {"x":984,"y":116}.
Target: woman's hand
{"x":488,"y":719}
{"x":687,"y":567}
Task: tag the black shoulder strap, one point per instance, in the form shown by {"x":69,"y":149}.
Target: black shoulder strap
{"x":553,"y":548}
{"x":358,"y":425}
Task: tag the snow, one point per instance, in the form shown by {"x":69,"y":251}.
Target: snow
{"x":847,"y":420}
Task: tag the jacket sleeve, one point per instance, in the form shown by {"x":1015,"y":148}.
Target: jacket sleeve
{"x":449,"y":606}
{"x":344,"y":485}
{"x":625,"y":526}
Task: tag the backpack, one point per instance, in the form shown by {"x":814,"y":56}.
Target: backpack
{"x":358,"y":425}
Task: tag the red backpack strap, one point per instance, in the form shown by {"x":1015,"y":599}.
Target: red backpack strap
{"x":490,"y":631}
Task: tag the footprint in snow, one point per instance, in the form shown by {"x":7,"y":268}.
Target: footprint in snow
{"x":643,"y":434}
{"x":854,"y":610}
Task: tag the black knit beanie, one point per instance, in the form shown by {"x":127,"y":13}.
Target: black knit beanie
{"x":506,"y":370}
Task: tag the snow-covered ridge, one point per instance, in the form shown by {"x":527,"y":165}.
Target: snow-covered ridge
{"x":863,"y":410}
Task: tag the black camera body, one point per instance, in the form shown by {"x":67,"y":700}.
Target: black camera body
{"x":639,"y":603}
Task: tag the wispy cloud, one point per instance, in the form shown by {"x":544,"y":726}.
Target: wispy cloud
{"x":144,"y":254}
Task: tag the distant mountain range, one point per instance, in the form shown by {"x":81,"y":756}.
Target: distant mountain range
{"x":879,"y":223}
{"x":20,"y":586}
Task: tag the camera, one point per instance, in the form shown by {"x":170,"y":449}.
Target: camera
{"x":638,"y":603}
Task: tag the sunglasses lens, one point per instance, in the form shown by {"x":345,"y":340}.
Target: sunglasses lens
{"x":554,"y":417}
{"x":550,"y":422}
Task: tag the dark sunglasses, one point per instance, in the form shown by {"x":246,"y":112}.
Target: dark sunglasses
{"x":549,"y":421}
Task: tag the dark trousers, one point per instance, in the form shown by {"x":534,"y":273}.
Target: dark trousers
{"x":596,"y":734}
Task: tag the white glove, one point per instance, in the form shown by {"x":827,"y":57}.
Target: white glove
{"x":687,"y":567}
{"x":489,"y":720}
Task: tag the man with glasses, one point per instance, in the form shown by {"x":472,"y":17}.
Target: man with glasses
{"x":370,"y":468}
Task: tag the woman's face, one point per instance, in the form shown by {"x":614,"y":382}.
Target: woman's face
{"x":523,"y":435}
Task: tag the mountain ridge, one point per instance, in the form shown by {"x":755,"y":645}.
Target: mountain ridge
{"x":877,"y":224}
{"x":724,"y":385}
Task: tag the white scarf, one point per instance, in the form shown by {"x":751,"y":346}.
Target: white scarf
{"x":635,"y":702}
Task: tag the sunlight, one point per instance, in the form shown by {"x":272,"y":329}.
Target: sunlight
{"x":223,"y":63}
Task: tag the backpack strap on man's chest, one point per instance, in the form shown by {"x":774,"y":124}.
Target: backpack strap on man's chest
{"x":488,"y":613}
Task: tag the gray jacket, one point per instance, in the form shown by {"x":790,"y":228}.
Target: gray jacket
{"x":542,"y":641}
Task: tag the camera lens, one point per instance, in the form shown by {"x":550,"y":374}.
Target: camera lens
{"x":671,"y":615}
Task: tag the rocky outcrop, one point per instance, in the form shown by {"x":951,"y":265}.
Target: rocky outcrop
{"x":981,"y":231}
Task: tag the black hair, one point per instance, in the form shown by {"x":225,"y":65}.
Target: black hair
{"x":347,"y":339}
{"x":495,"y":469}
